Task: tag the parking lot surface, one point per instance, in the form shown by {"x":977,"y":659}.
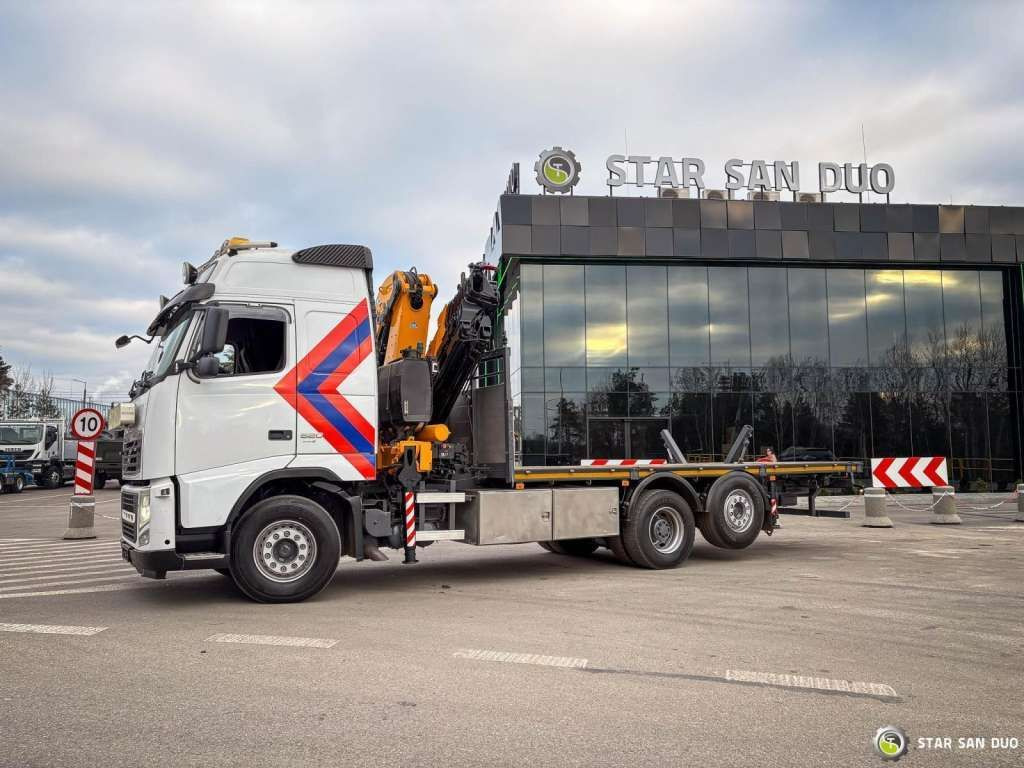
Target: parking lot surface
{"x":791,"y":653}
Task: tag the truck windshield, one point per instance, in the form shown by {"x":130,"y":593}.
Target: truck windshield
{"x":165,"y":351}
{"x":20,"y":434}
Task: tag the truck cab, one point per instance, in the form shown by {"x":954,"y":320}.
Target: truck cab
{"x":258,"y":335}
{"x":38,"y":446}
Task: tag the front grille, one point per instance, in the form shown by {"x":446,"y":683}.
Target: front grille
{"x":131,"y":456}
{"x":129,"y":503}
{"x":19,"y":455}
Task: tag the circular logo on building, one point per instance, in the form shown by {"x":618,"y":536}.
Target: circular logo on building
{"x":557,"y":169}
{"x":891,"y":742}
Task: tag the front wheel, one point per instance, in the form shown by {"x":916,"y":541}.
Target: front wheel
{"x":660,"y":530}
{"x":285,"y":550}
{"x":19,"y":484}
{"x":99,"y":482}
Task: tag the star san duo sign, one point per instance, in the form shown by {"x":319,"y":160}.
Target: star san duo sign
{"x":558,"y":170}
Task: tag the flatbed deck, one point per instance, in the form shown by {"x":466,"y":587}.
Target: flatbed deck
{"x":638,"y":472}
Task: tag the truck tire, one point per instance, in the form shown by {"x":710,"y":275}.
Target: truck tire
{"x":573,"y":547}
{"x":52,"y":478}
{"x":617,"y":549}
{"x":660,"y":530}
{"x":18,"y":485}
{"x":99,"y":481}
{"x":735,"y":511}
{"x":286,"y":549}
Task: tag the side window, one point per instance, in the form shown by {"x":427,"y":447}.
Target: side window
{"x":51,"y":437}
{"x":253,"y":345}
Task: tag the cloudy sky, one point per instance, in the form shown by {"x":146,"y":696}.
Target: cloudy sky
{"x":137,"y":135}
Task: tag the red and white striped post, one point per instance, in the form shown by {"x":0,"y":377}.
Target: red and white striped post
{"x":85,"y":467}
{"x":410,"y":527}
{"x":87,"y":424}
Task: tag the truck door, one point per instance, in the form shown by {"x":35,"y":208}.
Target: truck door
{"x":236,"y":417}
{"x":334,"y":388}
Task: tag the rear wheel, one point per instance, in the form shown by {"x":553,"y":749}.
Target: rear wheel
{"x":285,"y":550}
{"x":52,"y":478}
{"x":735,"y":511}
{"x":19,"y":484}
{"x":660,"y":530}
{"x":99,"y":481}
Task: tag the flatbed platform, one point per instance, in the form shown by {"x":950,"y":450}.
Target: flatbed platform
{"x":638,"y":472}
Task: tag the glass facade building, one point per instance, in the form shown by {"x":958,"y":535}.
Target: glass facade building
{"x":823,"y":357}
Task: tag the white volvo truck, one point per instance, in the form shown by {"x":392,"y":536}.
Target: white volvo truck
{"x":285,"y":420}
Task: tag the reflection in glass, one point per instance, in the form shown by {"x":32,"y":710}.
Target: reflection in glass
{"x":531,"y":287}
{"x":769,"y":316}
{"x":730,"y":321}
{"x":691,"y":424}
{"x":564,"y":319}
{"x":887,"y":327}
{"x":808,"y":317}
{"x":645,"y":438}
{"x":688,"y":324}
{"x":926,"y":334}
{"x":567,"y":428}
{"x":968,"y":428}
{"x":607,"y":438}
{"x":965,"y":345}
{"x":847,"y":323}
{"x":647,"y":315}
{"x":730,"y":412}
{"x":606,"y":315}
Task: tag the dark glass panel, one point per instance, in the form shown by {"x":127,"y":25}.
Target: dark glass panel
{"x":925,"y":329}
{"x":992,"y":314}
{"x":649,"y":403}
{"x":769,"y":316}
{"x":852,"y":426}
{"x":532,"y":417}
{"x":928,"y":423}
{"x":564,"y":316}
{"x":847,"y":323}
{"x":773,"y":422}
{"x":647,"y":315}
{"x":690,"y":379}
{"x":645,"y":438}
{"x":567,"y":428}
{"x":607,"y":439}
{"x":647,"y":379}
{"x":808,"y":316}
{"x":961,"y":300}
{"x":565,"y":380}
{"x":811,"y":405}
{"x":968,"y":454}
{"x":688,"y":324}
{"x":1001,"y":441}
{"x":691,"y":424}
{"x":890,"y":424}
{"x":730,"y":412}
{"x":531,"y":287}
{"x":887,"y":329}
{"x":730,"y":322}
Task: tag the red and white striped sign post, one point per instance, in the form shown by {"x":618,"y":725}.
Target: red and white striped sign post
{"x":87,"y":424}
{"x":909,"y":472}
{"x":620,"y":462}
{"x":410,"y":527}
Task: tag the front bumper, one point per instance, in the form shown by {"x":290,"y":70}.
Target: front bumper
{"x":154,"y":564}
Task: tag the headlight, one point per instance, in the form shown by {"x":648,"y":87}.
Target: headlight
{"x":144,"y":512}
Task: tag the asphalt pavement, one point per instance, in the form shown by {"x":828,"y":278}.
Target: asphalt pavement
{"x":791,"y":653}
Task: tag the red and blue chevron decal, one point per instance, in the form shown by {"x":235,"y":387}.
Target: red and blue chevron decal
{"x":311,"y":388}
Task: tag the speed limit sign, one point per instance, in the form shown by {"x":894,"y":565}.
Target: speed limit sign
{"x":87,"y":424}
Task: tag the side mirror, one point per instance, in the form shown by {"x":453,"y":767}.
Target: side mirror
{"x":215,"y":332}
{"x":122,"y":341}
{"x":207,"y":367}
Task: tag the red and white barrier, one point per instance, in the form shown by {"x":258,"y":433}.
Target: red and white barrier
{"x":85,"y":467}
{"x":410,"y":519}
{"x":909,"y":472}
{"x":621,"y":462}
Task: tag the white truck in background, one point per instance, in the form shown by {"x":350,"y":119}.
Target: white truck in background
{"x":41,"y":447}
{"x":284,"y":420}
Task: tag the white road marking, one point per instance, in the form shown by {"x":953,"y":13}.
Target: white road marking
{"x":69,"y":558}
{"x":809,"y":681}
{"x":77,"y":591}
{"x":51,"y":629}
{"x":58,"y":566}
{"x":520,"y":658}
{"x":942,"y":555}
{"x":66,"y":546}
{"x":99,"y":571}
{"x":63,"y":582}
{"x":301,"y":642}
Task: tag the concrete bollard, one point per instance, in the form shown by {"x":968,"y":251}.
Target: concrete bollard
{"x":945,"y":506}
{"x":874,"y":509}
{"x":1020,"y":504}
{"x":81,"y":518}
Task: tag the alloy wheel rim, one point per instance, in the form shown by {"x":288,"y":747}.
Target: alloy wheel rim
{"x":284,"y":551}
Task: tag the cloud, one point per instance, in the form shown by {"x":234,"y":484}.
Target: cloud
{"x":140,"y":135}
